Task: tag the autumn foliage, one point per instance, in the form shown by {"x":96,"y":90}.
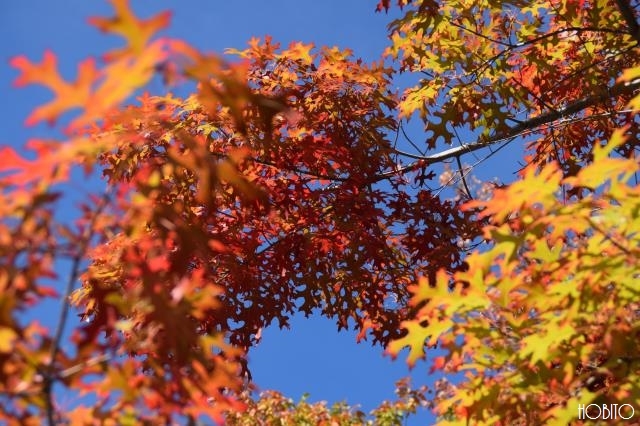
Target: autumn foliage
{"x":286,"y":181}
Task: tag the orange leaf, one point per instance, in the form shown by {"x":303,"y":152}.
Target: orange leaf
{"x":137,"y":32}
{"x":122,"y":78}
{"x":67,"y":95}
{"x":301,"y":52}
{"x":438,"y":363}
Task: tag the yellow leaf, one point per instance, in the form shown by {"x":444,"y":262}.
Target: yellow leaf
{"x":7,"y":339}
{"x":137,"y":32}
{"x":300,"y":52}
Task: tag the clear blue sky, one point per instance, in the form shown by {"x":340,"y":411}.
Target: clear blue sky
{"x":311,"y":357}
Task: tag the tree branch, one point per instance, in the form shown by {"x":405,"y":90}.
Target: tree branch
{"x":532,"y":123}
{"x":49,"y":377}
{"x":630,"y":18}
{"x":464,"y":179}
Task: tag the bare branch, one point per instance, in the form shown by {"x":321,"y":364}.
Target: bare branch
{"x":99,"y":359}
{"x":463,"y":178}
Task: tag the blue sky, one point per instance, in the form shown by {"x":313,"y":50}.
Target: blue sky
{"x":310,"y":357}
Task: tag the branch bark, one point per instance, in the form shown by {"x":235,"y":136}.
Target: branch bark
{"x":533,"y":123}
{"x":630,"y":18}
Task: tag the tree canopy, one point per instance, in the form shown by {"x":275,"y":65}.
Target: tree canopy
{"x":287,"y":180}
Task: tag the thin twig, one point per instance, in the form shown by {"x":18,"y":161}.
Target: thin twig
{"x":517,"y":130}
{"x":404,"y":133}
{"x":609,"y":237}
{"x":88,"y":363}
{"x":49,"y":378}
{"x":463,"y":178}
